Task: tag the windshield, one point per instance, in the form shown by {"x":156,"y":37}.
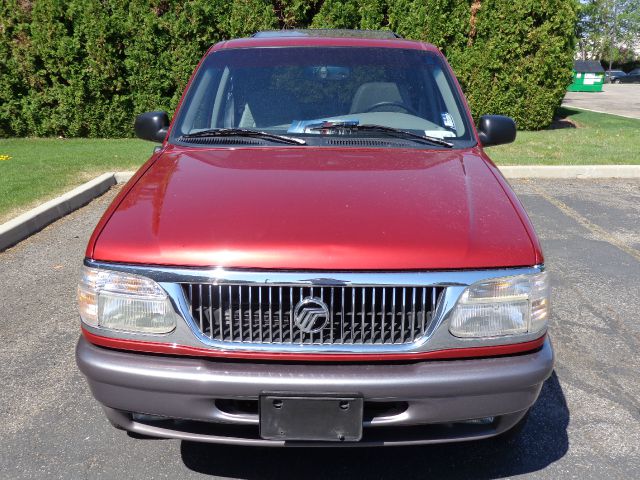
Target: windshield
{"x":293,"y":90}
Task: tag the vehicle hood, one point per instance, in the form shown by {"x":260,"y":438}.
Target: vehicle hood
{"x":318,"y":208}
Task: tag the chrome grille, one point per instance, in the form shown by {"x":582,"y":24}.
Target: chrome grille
{"x":357,"y":315}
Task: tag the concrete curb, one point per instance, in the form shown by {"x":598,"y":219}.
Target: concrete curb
{"x":123,"y":177}
{"x":571,"y":171}
{"x":34,"y":220}
{"x":28,"y":223}
{"x":599,"y":111}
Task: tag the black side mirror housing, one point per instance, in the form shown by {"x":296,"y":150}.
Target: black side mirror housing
{"x":152,"y":126}
{"x":496,"y":130}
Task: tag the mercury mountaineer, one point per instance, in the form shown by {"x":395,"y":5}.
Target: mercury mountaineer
{"x":319,"y":251}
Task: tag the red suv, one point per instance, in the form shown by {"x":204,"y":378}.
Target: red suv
{"x":320,"y":251}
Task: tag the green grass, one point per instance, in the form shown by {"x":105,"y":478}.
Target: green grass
{"x":42,"y":168}
{"x":598,"y":139}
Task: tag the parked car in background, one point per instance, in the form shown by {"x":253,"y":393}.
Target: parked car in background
{"x":320,"y":251}
{"x":613,"y":76}
{"x":632,"y":77}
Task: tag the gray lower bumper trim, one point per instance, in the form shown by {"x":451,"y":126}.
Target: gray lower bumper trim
{"x":435,"y":391}
{"x":217,"y":433}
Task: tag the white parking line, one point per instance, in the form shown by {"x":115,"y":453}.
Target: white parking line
{"x":586,"y":223}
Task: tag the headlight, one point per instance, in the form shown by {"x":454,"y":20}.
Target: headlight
{"x":502,"y":306}
{"x":121,"y":301}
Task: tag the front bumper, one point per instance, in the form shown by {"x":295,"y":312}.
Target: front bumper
{"x":409,"y":403}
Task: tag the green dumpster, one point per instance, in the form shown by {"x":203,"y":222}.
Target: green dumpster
{"x":588,"y":76}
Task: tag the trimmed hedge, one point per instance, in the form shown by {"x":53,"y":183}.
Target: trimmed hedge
{"x":86,"y":67}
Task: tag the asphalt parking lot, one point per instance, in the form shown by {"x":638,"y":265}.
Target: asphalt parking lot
{"x":623,"y":99}
{"x":586,"y":423}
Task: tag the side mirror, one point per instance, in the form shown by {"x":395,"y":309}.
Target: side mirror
{"x":496,"y":130}
{"x":152,"y":126}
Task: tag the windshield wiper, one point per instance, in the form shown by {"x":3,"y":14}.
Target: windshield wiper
{"x":243,"y":132}
{"x":349,"y":126}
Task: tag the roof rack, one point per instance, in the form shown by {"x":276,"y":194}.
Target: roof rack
{"x":327,"y":32}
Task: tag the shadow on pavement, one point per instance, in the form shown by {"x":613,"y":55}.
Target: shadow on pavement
{"x":542,"y":442}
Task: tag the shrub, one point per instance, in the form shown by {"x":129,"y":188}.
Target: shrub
{"x":521,"y":59}
{"x":87,"y":67}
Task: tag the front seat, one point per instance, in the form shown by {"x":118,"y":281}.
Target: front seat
{"x":369,"y":94}
{"x":269,"y":109}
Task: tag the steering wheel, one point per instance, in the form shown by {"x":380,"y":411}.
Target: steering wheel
{"x":392,"y":104}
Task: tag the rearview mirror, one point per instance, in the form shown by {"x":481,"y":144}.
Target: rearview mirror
{"x":496,"y":130}
{"x":328,"y":72}
{"x":152,"y":126}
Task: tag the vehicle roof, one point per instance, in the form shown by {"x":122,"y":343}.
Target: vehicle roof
{"x":324,"y":38}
